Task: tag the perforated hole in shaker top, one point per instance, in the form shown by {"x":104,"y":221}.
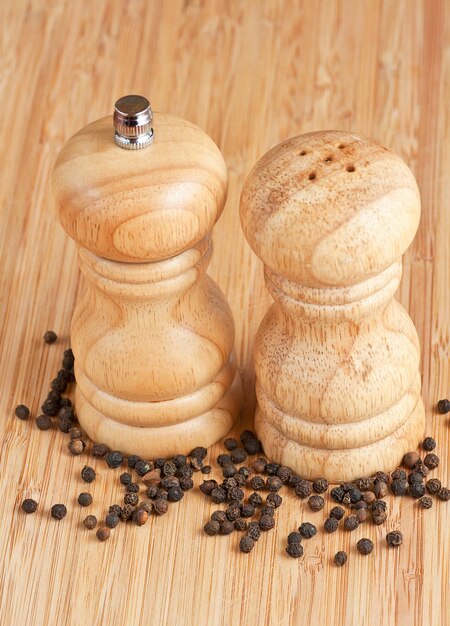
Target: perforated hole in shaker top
{"x":328,"y":159}
{"x":312,"y":176}
{"x":341,"y":146}
{"x":303,"y":152}
{"x":350,"y":168}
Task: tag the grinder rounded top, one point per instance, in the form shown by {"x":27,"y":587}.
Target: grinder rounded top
{"x":330,"y":208}
{"x":140,"y":205}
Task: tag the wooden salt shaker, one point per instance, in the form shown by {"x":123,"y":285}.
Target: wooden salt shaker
{"x":152,"y":335}
{"x":336,"y":357}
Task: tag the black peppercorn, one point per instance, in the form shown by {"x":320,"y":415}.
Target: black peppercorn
{"x":259,"y":466}
{"x":223,"y":459}
{"x":100,"y":450}
{"x":444,"y":494}
{"x":399,"y":487}
{"x":103,"y":533}
{"x":146,"y":505}
{"x":238,"y":455}
{"x":170,"y":481}
{"x":337,"y":512}
{"x":364,"y":484}
{"x":316,"y":503}
{"x":351,"y":522}
{"x":428,"y":444}
{"x":43,"y":422}
{"x":114,"y":459}
{"x":274,"y":500}
{"x":140,"y":517}
{"x":169,"y":469}
{"x":295,"y":550}
{"x":379,"y":517}
{"x":229,"y":470}
{"x":131,"y":498}
{"x":410,"y":459}
{"x":125,"y":478}
{"x":257,"y":483}
{"x":90,"y":522}
{"x":255,"y":499}
{"x":206,"y":469}
{"x":22,"y":412}
{"x":248,"y":510}
{"x":433,"y":485}
{"x":294,"y":537}
{"x":320,"y":485}
{"x":274,"y":483}
{"x":233,"y":512}
{"x":380,"y":489}
{"x":50,"y":336}
{"x":246,"y":435}
{"x":208,"y":486}
{"x":88,"y":474}
{"x":254,"y":530}
{"x":143,"y":467}
{"x":230,"y":444}
{"x":303,"y":488}
{"x":226,"y":527}
{"x":340,"y":558}
{"x":186,"y":484}
{"x":266,"y":522}
{"x":112,"y":520}
{"x":132,"y":460}
{"x":160,"y":506}
{"x":132,"y":488}
{"x":246,"y":544}
{"x":337,"y":493}
{"x":252,"y":446}
{"x":307,"y":530}
{"x":398,"y":474}
{"x":58,"y":511}
{"x":431,"y":461}
{"x":76,"y":447}
{"x":240,"y":524}
{"x":379,"y":505}
{"x":85,"y":499}
{"x":416,"y":489}
{"x":199,"y":453}
{"x":245,"y":472}
{"x":175,"y":494}
{"x":219,"y":516}
{"x":443,"y":406}
{"x":331,"y":524}
{"x":211,"y":528}
{"x":426,"y":502}
{"x":272,"y":469}
{"x":115,"y":508}
{"x":29,"y":505}
{"x":364,"y":546}
{"x":394,"y":538}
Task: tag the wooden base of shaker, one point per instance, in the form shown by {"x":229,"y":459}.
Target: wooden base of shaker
{"x":162,"y":441}
{"x":345,"y":464}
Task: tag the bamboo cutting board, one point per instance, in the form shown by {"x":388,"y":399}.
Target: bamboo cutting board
{"x":250,"y":74}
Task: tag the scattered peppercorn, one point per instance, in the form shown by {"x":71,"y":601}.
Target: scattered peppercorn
{"x":22,"y":412}
{"x":394,"y":538}
{"x":316,"y":503}
{"x":206,"y":469}
{"x":112,"y":520}
{"x":76,"y":447}
{"x":125,"y":478}
{"x":416,"y":489}
{"x":364,"y":546}
{"x":88,"y":474}
{"x":331,"y":524}
{"x":340,"y":558}
{"x":160,"y":506}
{"x":410,"y":459}
{"x":90,"y":522}
{"x":294,"y":537}
{"x":103,"y":533}
{"x":426,"y":502}
{"x":29,"y":505}
{"x":246,"y":544}
{"x":369,"y":497}
{"x":337,"y":512}
{"x":399,"y":487}
{"x":428,"y":444}
{"x":361,"y":514}
{"x":380,"y":489}
{"x":131,"y":498}
{"x":43,"y":422}
{"x":433,"y":485}
{"x":444,"y":494}
{"x":100,"y":450}
{"x":114,"y":459}
{"x":115,"y":508}
{"x":274,"y":500}
{"x":295,"y":550}
{"x":259,"y":466}
{"x":255,"y":499}
{"x":443,"y":406}
{"x":58,"y":511}
{"x":431,"y":461}
{"x":140,"y":517}
{"x":303,"y":488}
{"x":351,"y":522}
{"x":199,"y":453}
{"x":320,"y":485}
{"x":240,"y":524}
{"x":274,"y":483}
{"x":266,"y":522}
{"x":254,"y":530}
{"x":238,"y":455}
{"x":50,"y":336}
{"x":226,"y":527}
{"x":307,"y":530}
{"x":85,"y":499}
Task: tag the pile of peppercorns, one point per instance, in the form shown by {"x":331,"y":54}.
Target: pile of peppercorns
{"x":166,"y":481}
{"x":364,"y":496}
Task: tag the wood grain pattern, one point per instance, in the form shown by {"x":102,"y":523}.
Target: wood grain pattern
{"x":330,"y":214}
{"x":152,"y":333}
{"x":251,"y":74}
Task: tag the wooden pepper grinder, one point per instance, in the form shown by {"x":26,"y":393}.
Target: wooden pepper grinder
{"x":152,"y":335}
{"x":336,"y":357}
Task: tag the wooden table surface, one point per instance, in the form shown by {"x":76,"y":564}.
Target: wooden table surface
{"x":251,"y":74}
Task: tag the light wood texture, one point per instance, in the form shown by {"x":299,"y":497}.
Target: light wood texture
{"x":152,"y":334}
{"x":330,"y":214}
{"x":251,"y":74}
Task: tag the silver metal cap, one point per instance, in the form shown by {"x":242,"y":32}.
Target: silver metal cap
{"x":132,"y":122}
